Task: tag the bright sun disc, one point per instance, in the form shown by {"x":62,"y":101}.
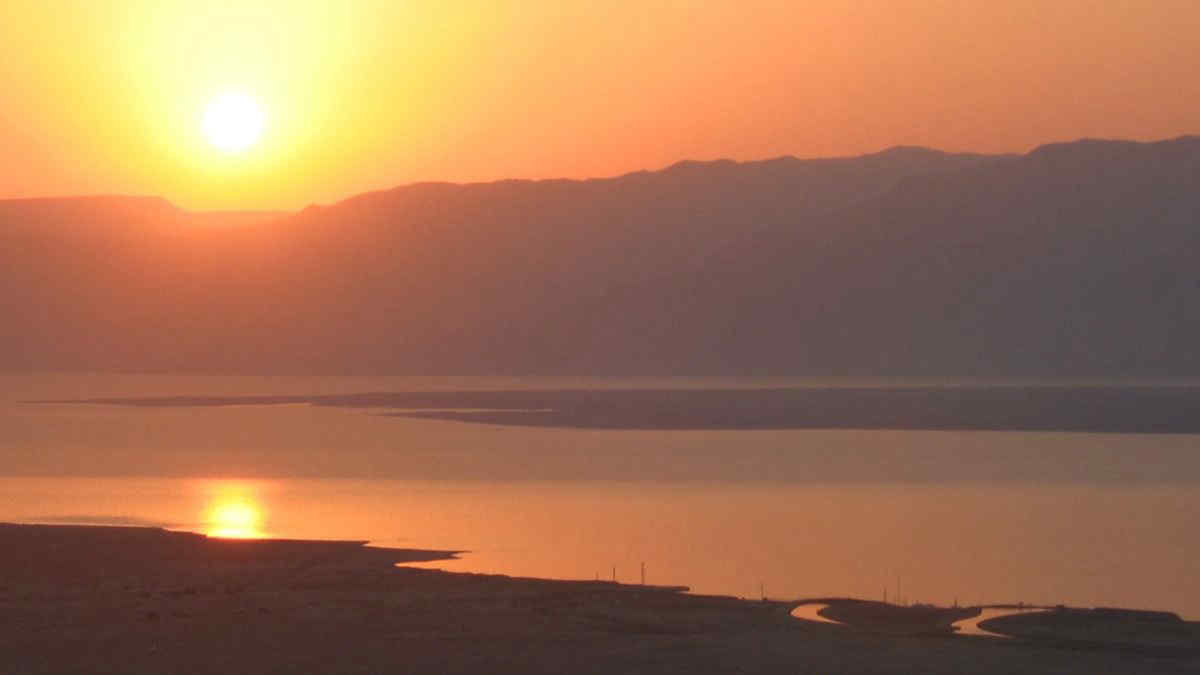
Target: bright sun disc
{"x":232,"y":122}
{"x":235,"y":519}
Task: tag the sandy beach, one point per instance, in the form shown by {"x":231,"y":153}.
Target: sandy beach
{"x":139,"y":600}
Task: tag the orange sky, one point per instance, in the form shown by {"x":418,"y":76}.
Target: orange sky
{"x":108,"y":97}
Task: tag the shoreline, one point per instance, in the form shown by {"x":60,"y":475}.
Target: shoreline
{"x":76,"y":599}
{"x":1113,"y":409}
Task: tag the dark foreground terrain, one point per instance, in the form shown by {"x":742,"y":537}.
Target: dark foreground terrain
{"x":127,"y":600}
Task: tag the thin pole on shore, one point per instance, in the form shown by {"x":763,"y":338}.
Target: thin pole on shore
{"x":614,"y":574}
{"x":643,"y":573}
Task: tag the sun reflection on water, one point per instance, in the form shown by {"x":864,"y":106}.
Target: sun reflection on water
{"x":234,"y":512}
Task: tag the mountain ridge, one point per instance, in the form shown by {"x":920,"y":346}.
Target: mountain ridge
{"x":893,"y":150}
{"x":1073,"y":259}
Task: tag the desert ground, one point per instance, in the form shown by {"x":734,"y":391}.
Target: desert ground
{"x":140,"y":600}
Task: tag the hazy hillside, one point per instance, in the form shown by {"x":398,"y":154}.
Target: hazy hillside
{"x":1077,"y":258}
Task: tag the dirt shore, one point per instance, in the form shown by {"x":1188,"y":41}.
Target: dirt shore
{"x":136,"y":600}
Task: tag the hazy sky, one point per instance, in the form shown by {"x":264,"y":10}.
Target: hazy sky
{"x":109,"y":97}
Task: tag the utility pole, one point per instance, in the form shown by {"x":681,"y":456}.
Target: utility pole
{"x":643,"y":573}
{"x":614,"y":574}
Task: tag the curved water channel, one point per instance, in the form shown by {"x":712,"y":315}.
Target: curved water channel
{"x":971,"y":626}
{"x":809,"y":612}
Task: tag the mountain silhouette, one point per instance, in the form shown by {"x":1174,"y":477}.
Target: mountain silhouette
{"x":1074,"y":259}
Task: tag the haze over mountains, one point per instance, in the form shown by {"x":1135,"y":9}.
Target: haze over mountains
{"x":1074,"y":259}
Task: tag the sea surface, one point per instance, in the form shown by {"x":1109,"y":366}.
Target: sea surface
{"x":926,"y":516}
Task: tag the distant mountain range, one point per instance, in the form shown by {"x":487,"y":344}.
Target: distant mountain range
{"x":1075,"y":259}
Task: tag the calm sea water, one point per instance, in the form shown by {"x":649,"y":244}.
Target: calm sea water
{"x":1086,"y":519}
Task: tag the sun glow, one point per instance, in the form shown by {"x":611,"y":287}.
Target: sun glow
{"x":233,"y":122}
{"x":234,"y":514}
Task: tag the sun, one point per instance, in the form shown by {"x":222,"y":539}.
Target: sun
{"x":233,"y":122}
{"x":234,"y":518}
